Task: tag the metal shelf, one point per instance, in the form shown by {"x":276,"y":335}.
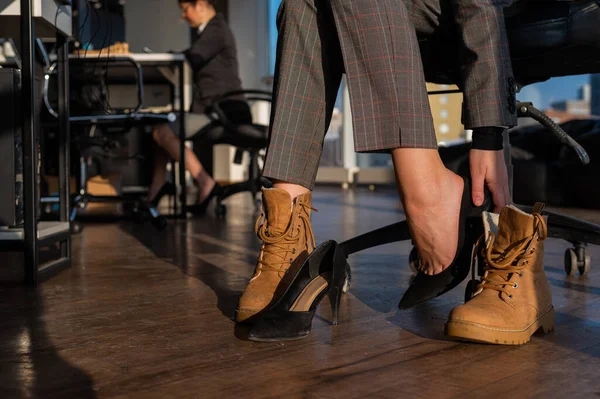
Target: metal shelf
{"x":35,"y":22}
{"x":46,"y":231}
{"x":50,"y":16}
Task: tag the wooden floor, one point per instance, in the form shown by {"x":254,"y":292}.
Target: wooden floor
{"x":149,"y":315}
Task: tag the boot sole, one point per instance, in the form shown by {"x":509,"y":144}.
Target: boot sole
{"x":473,"y":332}
{"x":254,"y":339}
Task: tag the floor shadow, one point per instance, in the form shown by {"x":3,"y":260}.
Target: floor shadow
{"x":586,"y":289}
{"x":377,"y":279}
{"x":195,"y":258}
{"x":554,"y":269}
{"x":30,"y":365}
{"x":584,"y":331}
{"x":362,"y":207}
{"x":426,"y":320}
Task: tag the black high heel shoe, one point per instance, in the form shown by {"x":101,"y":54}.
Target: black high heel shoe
{"x":323,"y":273}
{"x":425,"y":287}
{"x":166,"y":189}
{"x":200,"y":208}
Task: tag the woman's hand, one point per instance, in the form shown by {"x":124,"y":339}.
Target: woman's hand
{"x":488,"y":167}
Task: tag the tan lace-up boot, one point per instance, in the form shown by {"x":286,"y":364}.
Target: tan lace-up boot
{"x":286,"y":233}
{"x":513,"y":300}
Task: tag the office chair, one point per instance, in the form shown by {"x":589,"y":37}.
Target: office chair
{"x":548,"y":39}
{"x":234,"y":125}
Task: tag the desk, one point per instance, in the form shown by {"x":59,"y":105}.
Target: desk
{"x":156,"y":67}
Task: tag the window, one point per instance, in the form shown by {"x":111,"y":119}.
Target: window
{"x":273,"y":7}
{"x":332,"y":148}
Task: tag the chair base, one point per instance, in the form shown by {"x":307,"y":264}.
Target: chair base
{"x":251,"y":185}
{"x":139,"y":210}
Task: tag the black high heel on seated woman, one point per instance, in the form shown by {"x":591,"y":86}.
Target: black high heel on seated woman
{"x":166,"y":189}
{"x":200,"y":208}
{"x":425,"y":287}
{"x":323,"y":273}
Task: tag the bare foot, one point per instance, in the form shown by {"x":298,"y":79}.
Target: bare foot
{"x":433,"y":219}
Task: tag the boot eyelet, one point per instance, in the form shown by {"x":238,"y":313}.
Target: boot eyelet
{"x":510,"y":296}
{"x":521,"y":274}
{"x":516,"y":285}
{"x":293,"y":250}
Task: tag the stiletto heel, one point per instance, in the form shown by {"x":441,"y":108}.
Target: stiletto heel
{"x":425,"y":287}
{"x":335,"y":297}
{"x":341,"y":274}
{"x":165,"y":189}
{"x":323,"y":273}
{"x":201,"y":207}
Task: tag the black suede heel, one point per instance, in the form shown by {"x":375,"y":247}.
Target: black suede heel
{"x":166,"y":189}
{"x":323,"y":273}
{"x":425,"y":287}
{"x":200,"y":208}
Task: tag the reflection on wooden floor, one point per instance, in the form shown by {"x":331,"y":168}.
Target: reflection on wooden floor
{"x":148,"y":314}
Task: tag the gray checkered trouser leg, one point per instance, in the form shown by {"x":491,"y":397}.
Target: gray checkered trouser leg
{"x":390,"y":105}
{"x":487,"y":75}
{"x":379,"y":49}
{"x":307,"y":79}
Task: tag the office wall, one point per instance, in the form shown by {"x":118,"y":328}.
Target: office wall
{"x":155,"y":24}
{"x":248,"y":20}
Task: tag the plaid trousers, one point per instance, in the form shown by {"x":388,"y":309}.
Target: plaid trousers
{"x":375,"y":43}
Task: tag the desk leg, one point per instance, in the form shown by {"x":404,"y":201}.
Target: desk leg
{"x":29,"y":145}
{"x":182,"y":141}
{"x":64,"y":135}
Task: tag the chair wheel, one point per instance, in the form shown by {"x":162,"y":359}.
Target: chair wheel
{"x":348,"y":282}
{"x":159,"y":223}
{"x":586,"y":264}
{"x":413,"y":260}
{"x":76,"y":227}
{"x":128,"y":208}
{"x":221,"y":210}
{"x":258,"y":205}
{"x":578,"y":258}
{"x":139,"y":216}
{"x":570,"y":261}
{"x":471,"y":289}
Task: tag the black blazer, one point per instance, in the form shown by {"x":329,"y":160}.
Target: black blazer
{"x":213,"y":57}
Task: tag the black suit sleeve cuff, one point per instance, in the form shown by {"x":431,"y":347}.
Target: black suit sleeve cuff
{"x":488,"y":138}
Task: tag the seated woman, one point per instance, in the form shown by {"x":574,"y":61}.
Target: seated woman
{"x":213,"y":58}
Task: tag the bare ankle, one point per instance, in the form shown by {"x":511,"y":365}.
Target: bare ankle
{"x":203,"y":179}
{"x":295,"y":190}
{"x":437,"y":189}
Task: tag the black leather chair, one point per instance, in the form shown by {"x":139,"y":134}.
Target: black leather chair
{"x":548,"y":39}
{"x":234,"y":125}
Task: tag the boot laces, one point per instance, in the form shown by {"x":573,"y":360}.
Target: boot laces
{"x":501,"y":266}
{"x":279,"y":245}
